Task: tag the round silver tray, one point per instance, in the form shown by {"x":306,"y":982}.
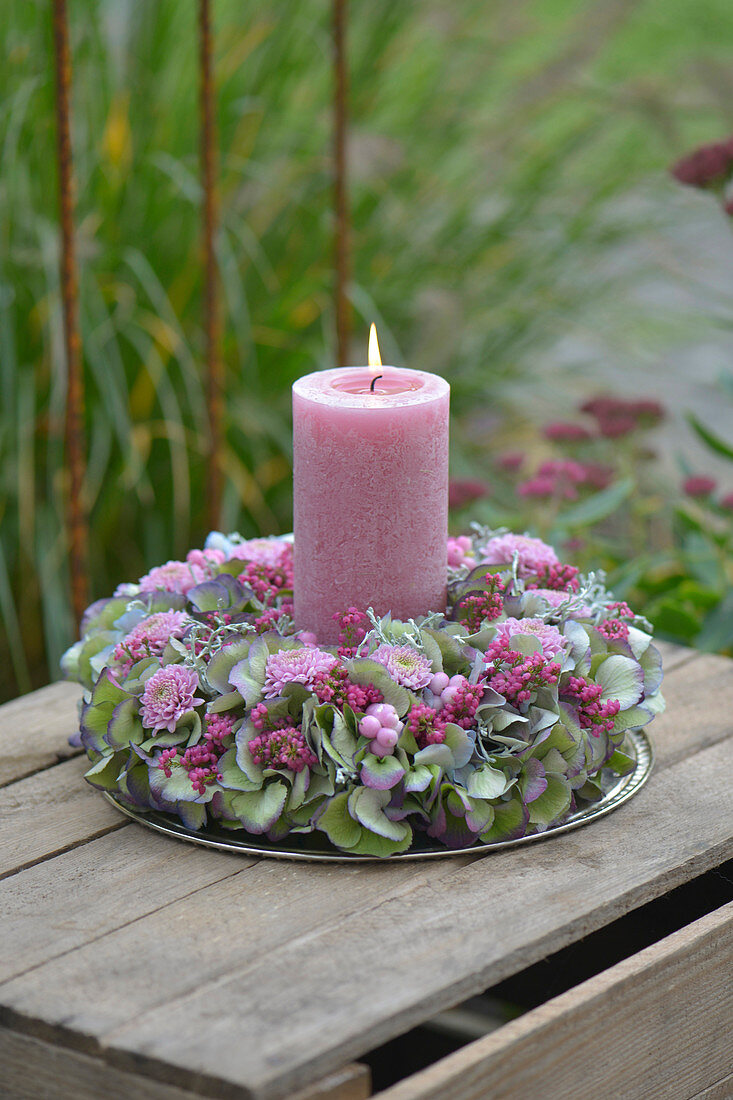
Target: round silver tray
{"x":315,"y":847}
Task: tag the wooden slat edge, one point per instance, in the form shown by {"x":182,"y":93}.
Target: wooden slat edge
{"x":35,"y":728}
{"x":656,"y":1040}
{"x":36,"y":1070}
{"x":353,"y":1082}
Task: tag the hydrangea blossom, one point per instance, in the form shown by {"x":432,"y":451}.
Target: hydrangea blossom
{"x":169,"y":694}
{"x":295,"y":666}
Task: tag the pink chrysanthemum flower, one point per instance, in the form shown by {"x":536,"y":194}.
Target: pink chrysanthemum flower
{"x":270,"y":552}
{"x":174,"y":576}
{"x":295,"y":666}
{"x":168,"y":695}
{"x":549,"y":636}
{"x":534,"y":554}
{"x":405,"y":665}
{"x":206,"y":558}
{"x":554,"y":598}
{"x":150,"y":637}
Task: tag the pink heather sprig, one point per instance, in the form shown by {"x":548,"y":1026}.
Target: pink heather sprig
{"x":426,"y":725}
{"x":271,"y":616}
{"x":613,"y":630}
{"x":461,"y":700}
{"x":335,"y":687}
{"x":621,"y":610}
{"x":199,"y":762}
{"x":517,"y":676}
{"x":482,"y":607}
{"x":217,"y":728}
{"x":282,"y":748}
{"x":593,"y":714}
{"x":267,"y":581}
{"x":559,"y":577}
{"x":354,"y":626}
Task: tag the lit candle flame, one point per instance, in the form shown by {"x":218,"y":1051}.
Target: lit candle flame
{"x":375,"y":359}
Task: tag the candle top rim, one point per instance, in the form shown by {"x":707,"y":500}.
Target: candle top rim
{"x":320,"y":387}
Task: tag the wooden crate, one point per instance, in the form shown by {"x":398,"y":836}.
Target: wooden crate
{"x":134,"y":966}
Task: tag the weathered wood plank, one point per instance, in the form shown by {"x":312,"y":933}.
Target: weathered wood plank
{"x":658,"y":1041}
{"x":420,"y":943}
{"x":721,"y":1090}
{"x":50,"y":812}
{"x":80,"y":895}
{"x":353,"y":1082}
{"x":699,"y":712}
{"x":34,"y":730}
{"x":35,"y":1070}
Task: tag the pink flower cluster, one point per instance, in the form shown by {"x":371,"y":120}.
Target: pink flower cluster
{"x":277,"y":744}
{"x":267,"y":580}
{"x":613,"y":630}
{"x":354,"y":626}
{"x":454,"y":700}
{"x":405,"y":665}
{"x":533,"y":555}
{"x":463,"y":491}
{"x":282,"y":748}
{"x":558,"y":577}
{"x":705,"y":166}
{"x":474,"y":611}
{"x":335,"y":687}
{"x":561,"y":478}
{"x":548,"y":636}
{"x":174,"y":576}
{"x":516,"y":676}
{"x":217,"y":729}
{"x":168,"y":695}
{"x":593,"y":714}
{"x":199,"y":761}
{"x":271,"y":616}
{"x":460,"y":552}
{"x":616,"y":417}
{"x":150,"y":637}
{"x":295,"y":666}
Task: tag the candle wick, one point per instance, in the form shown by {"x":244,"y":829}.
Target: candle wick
{"x":375,"y":379}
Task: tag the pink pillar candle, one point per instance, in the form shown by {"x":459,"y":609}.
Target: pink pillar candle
{"x":370,"y":494}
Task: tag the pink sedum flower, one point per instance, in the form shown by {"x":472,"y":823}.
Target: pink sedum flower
{"x":405,"y":665}
{"x":550,"y":638}
{"x":168,"y":695}
{"x":174,"y":576}
{"x":295,"y":666}
{"x":534,"y":554}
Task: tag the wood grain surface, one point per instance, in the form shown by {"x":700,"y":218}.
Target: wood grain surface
{"x":121,"y":945}
{"x":658,"y":1024}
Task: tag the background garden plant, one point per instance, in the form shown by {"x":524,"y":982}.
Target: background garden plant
{"x":495,"y":207}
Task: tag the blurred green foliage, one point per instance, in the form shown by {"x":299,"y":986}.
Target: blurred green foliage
{"x":487,"y":143}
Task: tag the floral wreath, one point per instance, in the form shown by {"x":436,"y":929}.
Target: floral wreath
{"x":492,"y":721}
